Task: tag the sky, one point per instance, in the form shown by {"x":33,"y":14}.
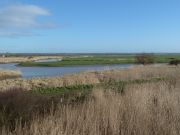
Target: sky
{"x":89,"y":26}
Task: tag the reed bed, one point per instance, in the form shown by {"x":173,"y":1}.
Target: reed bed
{"x":6,"y":74}
{"x":137,"y":72}
{"x":151,"y":108}
{"x":146,"y":109}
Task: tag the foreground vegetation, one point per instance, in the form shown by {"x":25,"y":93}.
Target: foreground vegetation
{"x":139,"y":100}
{"x":99,"y":60}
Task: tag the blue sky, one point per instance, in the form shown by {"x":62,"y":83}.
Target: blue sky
{"x":73,"y":26}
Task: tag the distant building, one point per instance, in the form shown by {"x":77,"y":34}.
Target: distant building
{"x":3,"y":56}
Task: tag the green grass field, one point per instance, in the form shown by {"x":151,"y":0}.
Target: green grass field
{"x":97,"y":60}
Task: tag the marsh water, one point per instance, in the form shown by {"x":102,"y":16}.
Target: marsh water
{"x":31,"y":72}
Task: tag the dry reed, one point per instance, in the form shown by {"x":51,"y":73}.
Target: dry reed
{"x":5,"y":74}
{"x":143,"y":109}
{"x":147,"y":109}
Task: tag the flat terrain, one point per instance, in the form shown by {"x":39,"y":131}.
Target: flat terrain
{"x":98,"y":60}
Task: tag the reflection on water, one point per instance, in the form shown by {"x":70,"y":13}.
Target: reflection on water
{"x":30,"y":72}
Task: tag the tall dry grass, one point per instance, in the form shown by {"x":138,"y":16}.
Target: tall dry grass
{"x":133,"y":73}
{"x":147,"y":109}
{"x":5,"y":74}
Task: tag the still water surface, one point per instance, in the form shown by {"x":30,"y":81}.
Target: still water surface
{"x":31,"y":72}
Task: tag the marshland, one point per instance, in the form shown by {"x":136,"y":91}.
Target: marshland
{"x":89,"y":67}
{"x":141,"y":99}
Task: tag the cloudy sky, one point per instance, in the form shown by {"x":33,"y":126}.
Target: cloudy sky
{"x":62,"y":26}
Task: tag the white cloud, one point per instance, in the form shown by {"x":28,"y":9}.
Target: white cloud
{"x":19,"y":17}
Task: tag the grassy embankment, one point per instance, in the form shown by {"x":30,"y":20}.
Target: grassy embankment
{"x":98,"y":60}
{"x":140,"y":100}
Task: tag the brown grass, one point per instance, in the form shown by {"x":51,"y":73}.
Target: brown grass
{"x":142,"y":109}
{"x":5,"y":74}
{"x":148,"y":109}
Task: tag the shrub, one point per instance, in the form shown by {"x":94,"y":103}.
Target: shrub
{"x":145,"y":59}
{"x":174,"y":62}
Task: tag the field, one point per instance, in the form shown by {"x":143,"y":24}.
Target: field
{"x":142,"y":100}
{"x":98,"y":60}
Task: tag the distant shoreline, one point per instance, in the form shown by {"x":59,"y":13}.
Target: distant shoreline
{"x":73,"y":61}
{"x":81,"y":60}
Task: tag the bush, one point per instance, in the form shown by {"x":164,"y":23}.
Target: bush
{"x":174,"y":62}
{"x":145,"y":59}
